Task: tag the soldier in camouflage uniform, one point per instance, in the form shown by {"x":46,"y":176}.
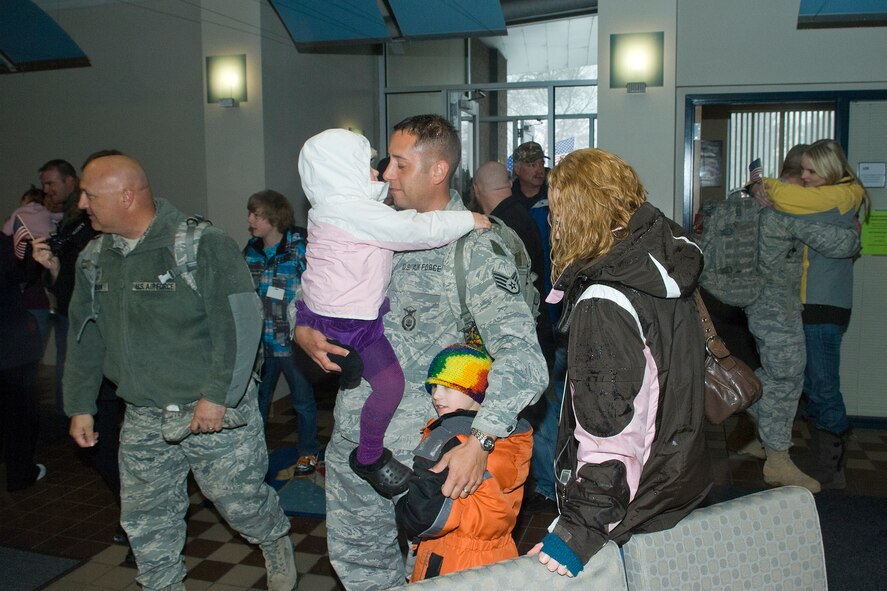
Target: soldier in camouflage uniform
{"x":774,"y":319}
{"x":424,"y":318}
{"x":181,"y":353}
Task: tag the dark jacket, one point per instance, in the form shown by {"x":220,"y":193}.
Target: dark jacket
{"x":461,"y":534}
{"x":74,"y":232}
{"x":517,"y":217}
{"x":162,"y":342}
{"x":538,"y":208}
{"x":20,"y":341}
{"x":631,"y":438}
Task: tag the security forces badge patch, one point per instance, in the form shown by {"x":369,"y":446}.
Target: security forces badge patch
{"x":408,"y":322}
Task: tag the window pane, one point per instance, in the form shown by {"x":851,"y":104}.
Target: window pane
{"x":569,"y":135}
{"x":575,"y":100}
{"x":768,"y":135}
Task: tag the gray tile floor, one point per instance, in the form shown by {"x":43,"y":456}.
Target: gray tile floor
{"x":71,"y":513}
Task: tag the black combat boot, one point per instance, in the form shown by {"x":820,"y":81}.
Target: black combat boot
{"x":829,"y":458}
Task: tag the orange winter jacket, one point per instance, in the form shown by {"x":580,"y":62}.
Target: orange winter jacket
{"x":468,"y":532}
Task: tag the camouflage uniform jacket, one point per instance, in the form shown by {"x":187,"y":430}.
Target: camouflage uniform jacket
{"x":424,"y":318}
{"x":782,"y":238}
{"x":282,"y":270}
{"x":827,"y":278}
{"x":162,"y":343}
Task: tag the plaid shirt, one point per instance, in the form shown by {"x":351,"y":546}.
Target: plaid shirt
{"x":282,"y":270}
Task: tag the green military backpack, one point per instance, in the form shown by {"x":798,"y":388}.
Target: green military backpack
{"x":729,"y":242}
{"x":184,"y":250}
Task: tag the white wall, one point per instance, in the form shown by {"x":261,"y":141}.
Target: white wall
{"x":142,"y":95}
{"x":640,"y":128}
{"x":305,"y":93}
{"x":863,"y":349}
{"x":757,"y":42}
{"x":235,"y":151}
{"x":145,"y":95}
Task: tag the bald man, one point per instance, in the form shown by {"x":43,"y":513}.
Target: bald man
{"x":182,"y":360}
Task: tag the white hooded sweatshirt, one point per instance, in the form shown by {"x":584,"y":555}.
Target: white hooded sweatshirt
{"x":352,"y":235}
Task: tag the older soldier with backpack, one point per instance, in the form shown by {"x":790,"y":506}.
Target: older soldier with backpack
{"x":180,"y":341}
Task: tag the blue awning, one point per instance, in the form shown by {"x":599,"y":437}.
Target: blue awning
{"x":448,"y":18}
{"x":313,"y":22}
{"x":31,"y":40}
{"x":842,"y":13}
{"x":329,"y":21}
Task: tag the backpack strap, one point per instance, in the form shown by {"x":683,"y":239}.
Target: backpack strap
{"x":184,"y":250}
{"x":465,"y":317}
{"x":89,"y":263}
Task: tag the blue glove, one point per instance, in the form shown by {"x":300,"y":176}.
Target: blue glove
{"x":555,"y":547}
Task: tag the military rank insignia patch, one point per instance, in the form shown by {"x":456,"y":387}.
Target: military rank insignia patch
{"x":507,"y":282}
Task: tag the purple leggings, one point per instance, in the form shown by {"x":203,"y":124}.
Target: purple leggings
{"x":380,"y":368}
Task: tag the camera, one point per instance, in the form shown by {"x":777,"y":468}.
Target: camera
{"x":58,"y":244}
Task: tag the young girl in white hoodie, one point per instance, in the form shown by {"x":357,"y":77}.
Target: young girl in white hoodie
{"x":352,"y":238}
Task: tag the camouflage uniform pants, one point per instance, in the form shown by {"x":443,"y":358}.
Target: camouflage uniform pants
{"x":776,"y":325}
{"x":361,"y":529}
{"x":229,"y":467}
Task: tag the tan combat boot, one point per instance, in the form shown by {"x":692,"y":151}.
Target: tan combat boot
{"x":780,"y":470}
{"x":753,"y":448}
{"x":280,"y":563}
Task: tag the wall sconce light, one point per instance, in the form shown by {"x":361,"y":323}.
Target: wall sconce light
{"x":226,"y":79}
{"x":636,"y":60}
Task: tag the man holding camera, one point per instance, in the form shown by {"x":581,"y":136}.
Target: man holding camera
{"x":58,"y":253}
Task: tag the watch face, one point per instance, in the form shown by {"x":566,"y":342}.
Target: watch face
{"x":486,"y":443}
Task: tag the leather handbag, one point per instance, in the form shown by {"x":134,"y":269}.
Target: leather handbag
{"x":730,"y":385}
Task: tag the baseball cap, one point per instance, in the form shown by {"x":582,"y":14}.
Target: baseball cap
{"x":528,"y":152}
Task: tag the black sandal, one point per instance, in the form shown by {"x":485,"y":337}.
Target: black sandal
{"x":387,"y":475}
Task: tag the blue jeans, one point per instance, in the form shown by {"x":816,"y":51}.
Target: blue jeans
{"x":822,"y":380}
{"x":545,"y":437}
{"x":301,"y":396}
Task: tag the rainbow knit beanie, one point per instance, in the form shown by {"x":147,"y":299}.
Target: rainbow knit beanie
{"x":460,"y":367}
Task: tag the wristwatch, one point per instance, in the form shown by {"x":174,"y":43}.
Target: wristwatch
{"x":486,"y":442}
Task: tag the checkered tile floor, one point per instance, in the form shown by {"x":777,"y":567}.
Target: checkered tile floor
{"x":71,"y":513}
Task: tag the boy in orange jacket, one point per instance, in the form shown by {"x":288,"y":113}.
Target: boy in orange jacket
{"x":471,"y":531}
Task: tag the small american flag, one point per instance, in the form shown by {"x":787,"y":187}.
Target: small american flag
{"x":21,"y":235}
{"x":755,"y":171}
{"x":563,"y":147}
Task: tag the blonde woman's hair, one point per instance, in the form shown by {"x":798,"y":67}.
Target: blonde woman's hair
{"x":592,"y":196}
{"x":830,"y":162}
{"x":791,"y":166}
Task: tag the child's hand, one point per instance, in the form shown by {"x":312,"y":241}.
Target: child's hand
{"x":481,"y":222}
